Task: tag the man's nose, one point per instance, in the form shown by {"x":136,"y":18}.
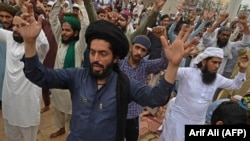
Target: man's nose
{"x":4,"y":19}
{"x":217,"y":65}
{"x":96,"y":57}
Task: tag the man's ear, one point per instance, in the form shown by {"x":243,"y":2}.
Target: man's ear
{"x":116,"y":59}
{"x":76,"y":33}
{"x":130,"y":48}
{"x":203,"y":62}
{"x":219,"y":122}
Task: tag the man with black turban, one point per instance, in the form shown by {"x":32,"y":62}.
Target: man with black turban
{"x":100,"y":93}
{"x":69,"y":35}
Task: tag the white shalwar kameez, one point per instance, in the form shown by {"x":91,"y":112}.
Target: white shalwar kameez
{"x":61,"y":99}
{"x":192,"y":101}
{"x":21,"y":98}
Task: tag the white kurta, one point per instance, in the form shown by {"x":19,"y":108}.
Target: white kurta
{"x":61,"y":99}
{"x":21,"y":98}
{"x":192,"y":101}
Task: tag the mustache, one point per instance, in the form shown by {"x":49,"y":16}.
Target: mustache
{"x":15,"y":32}
{"x":6,"y":23}
{"x":98,"y":64}
{"x":139,"y":56}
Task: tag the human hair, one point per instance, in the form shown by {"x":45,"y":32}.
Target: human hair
{"x":199,"y":65}
{"x":100,"y":10}
{"x":230,"y":113}
{"x":224,"y":28}
{"x":12,"y":10}
{"x":164,"y":16}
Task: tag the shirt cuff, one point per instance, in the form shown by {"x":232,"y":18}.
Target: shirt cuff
{"x":241,"y":76}
{"x":31,"y":62}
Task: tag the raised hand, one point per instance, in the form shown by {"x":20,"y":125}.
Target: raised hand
{"x":158,"y":5}
{"x":222,"y":17}
{"x":159,"y":31}
{"x":209,"y":15}
{"x":179,"y":7}
{"x":242,"y":18}
{"x":178,"y":18}
{"x":243,"y":63}
{"x":178,"y":49}
{"x":243,"y":23}
{"x":113,"y":17}
{"x":28,"y":26}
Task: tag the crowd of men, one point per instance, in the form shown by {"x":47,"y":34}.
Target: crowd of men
{"x":91,"y":64}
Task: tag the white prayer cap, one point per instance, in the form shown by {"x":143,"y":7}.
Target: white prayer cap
{"x":75,"y":5}
{"x":66,"y":2}
{"x":209,"y":52}
{"x":237,"y":97}
{"x":50,"y":3}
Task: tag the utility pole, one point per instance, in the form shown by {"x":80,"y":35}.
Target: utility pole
{"x":218,"y":6}
{"x":233,"y":7}
{"x":170,"y":7}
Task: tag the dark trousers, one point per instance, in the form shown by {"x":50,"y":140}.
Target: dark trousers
{"x":46,"y":97}
{"x":132,"y":129}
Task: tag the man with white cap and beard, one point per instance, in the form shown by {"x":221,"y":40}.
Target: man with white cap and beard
{"x":196,"y":89}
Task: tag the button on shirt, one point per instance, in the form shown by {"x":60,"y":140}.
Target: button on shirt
{"x":94,"y":115}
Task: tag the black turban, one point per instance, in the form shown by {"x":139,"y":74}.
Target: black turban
{"x":108,"y":31}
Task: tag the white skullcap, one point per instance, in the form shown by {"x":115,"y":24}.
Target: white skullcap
{"x":209,"y":52}
{"x":67,"y":2}
{"x":50,"y":3}
{"x":237,"y":97}
{"x":75,"y":5}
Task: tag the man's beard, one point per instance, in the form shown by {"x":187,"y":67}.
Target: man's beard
{"x":123,"y":28}
{"x":208,"y":77}
{"x":106,"y":72}
{"x":221,"y":44}
{"x":136,"y":58}
{"x":68,"y":40}
{"x":18,"y":38}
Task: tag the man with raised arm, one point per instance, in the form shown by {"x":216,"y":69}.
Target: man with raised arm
{"x":100,"y":93}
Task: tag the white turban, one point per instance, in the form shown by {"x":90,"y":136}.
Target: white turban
{"x":209,"y":52}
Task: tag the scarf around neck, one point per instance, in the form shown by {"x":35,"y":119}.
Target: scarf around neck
{"x":69,"y":61}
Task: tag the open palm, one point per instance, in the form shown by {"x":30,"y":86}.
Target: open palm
{"x":29,"y":28}
{"x":179,"y":49}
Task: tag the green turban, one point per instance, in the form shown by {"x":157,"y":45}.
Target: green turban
{"x":73,"y":21}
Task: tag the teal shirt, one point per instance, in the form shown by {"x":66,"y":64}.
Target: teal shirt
{"x":2,"y":66}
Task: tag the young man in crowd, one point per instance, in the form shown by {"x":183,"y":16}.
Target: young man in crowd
{"x":138,"y":68}
{"x":69,"y":35}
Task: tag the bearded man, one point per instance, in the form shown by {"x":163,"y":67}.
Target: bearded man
{"x":220,"y":38}
{"x":7,"y":13}
{"x":100,"y":100}
{"x":195,"y":92}
{"x":71,"y":45}
{"x":21,"y":98}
